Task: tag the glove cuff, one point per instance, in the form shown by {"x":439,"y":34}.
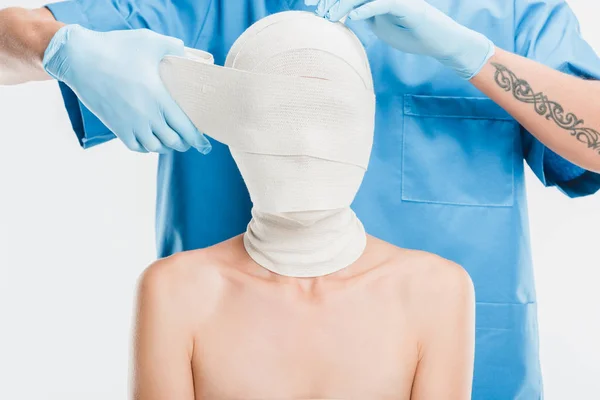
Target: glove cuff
{"x":489,"y":53}
{"x":54,"y":61}
{"x":474,"y":51}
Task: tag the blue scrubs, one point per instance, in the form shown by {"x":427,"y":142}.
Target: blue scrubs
{"x":447,"y":170}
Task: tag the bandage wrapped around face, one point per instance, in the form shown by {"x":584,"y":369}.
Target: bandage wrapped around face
{"x":295,"y":105}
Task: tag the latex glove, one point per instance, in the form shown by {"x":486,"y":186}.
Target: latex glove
{"x":115,"y":75}
{"x":414,"y":26}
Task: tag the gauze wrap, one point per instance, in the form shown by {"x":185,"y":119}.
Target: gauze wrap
{"x":295,"y":104}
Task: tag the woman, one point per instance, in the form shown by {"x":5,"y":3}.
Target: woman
{"x":304,"y":304}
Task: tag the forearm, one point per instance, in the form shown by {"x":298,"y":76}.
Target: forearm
{"x":560,"y":110}
{"x":24,"y":36}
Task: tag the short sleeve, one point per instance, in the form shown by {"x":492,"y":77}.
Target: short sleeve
{"x":548,"y":31}
{"x":183,"y":19}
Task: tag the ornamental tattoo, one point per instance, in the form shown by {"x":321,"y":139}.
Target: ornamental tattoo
{"x":521,"y":90}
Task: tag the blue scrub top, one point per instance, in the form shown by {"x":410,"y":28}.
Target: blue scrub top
{"x":447,"y":170}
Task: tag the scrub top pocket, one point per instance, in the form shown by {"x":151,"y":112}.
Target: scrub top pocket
{"x":458,"y":150}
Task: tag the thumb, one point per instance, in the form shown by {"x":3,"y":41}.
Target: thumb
{"x":173,"y":46}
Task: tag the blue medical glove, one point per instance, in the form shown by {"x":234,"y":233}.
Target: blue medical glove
{"x":115,"y":75}
{"x":414,"y":26}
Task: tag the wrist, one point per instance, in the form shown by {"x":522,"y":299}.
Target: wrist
{"x":27,"y":31}
{"x":492,"y":51}
{"x":480,"y":58}
{"x":472,"y":51}
{"x":43,"y":27}
{"x":54,"y":58}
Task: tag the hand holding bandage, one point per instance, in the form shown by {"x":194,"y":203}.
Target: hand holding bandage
{"x":416,"y":27}
{"x":114,"y":74}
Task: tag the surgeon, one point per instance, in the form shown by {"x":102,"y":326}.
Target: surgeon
{"x":466,"y":92}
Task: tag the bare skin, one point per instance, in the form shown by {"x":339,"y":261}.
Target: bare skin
{"x":24,"y":36}
{"x":212,"y":324}
{"x":557,"y":108}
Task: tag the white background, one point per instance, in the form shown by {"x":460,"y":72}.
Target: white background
{"x":77,"y":228}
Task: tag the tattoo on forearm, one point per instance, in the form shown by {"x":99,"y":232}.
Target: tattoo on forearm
{"x":552,"y":110}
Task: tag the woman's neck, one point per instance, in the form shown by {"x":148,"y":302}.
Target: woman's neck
{"x":305,"y":244}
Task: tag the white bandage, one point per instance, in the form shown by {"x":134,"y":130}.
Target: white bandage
{"x":295,"y":105}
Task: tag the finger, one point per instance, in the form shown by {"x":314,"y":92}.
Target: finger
{"x":149,"y":141}
{"x":168,"y":137}
{"x":342,"y":8}
{"x":174,"y":46}
{"x":370,"y":10}
{"x":165,"y":45}
{"x":324,"y":6}
{"x":132,"y":144}
{"x":181,"y":124}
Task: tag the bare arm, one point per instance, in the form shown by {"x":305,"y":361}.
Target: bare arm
{"x":24,"y":36}
{"x":560,"y":110}
{"x":447,"y":348}
{"x":163,"y":342}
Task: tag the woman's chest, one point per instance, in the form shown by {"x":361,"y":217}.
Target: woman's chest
{"x":356,"y":352}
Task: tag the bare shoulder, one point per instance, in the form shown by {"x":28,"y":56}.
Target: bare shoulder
{"x":178,"y":271}
{"x":426,"y":275}
{"x":437,"y":292}
{"x":441,"y":294}
{"x":435,"y":275}
{"x":186,"y":281}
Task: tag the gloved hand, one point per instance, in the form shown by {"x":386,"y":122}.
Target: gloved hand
{"x":115,"y":74}
{"x":416,"y":27}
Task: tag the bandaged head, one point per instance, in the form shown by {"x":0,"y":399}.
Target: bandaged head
{"x":295,"y":105}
